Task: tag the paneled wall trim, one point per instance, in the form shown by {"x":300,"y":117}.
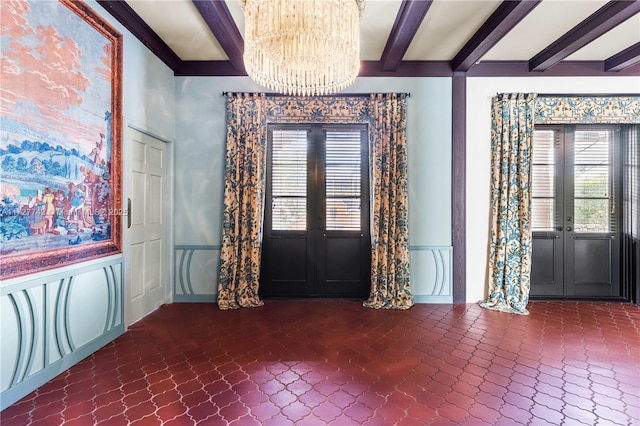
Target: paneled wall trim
{"x":53,"y":322}
{"x":189,"y":284}
{"x":431,"y":273}
{"x":587,"y":110}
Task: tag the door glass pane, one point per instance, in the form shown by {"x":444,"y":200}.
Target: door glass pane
{"x":592,"y":181}
{"x":543,"y":186}
{"x":591,"y":215}
{"x":543,"y":219}
{"x":289,"y":180}
{"x":343,"y":180}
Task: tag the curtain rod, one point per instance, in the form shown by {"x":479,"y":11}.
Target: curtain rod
{"x":333,"y":95}
{"x":586,"y":95}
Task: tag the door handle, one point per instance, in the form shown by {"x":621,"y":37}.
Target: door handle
{"x":128,"y":213}
{"x":568,"y":228}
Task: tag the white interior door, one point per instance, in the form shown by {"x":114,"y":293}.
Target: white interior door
{"x":145,"y":266}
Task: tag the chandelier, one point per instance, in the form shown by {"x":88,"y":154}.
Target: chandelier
{"x":302,"y":47}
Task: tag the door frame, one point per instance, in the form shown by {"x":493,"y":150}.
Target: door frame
{"x":169,"y":219}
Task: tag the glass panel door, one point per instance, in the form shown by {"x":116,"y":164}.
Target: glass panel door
{"x":316,"y":239}
{"x":575,"y":197}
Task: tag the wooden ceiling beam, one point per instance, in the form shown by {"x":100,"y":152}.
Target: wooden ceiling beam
{"x":624,"y":59}
{"x":219,"y":20}
{"x":124,"y":14}
{"x":604,"y":19}
{"x":408,"y":20}
{"x":507,"y":15}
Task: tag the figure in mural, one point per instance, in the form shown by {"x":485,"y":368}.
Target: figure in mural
{"x":49,"y":209}
{"x":59,"y":201}
{"x":76,"y":201}
{"x":95,"y":154}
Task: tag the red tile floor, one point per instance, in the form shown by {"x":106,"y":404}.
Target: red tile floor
{"x":333,"y":362}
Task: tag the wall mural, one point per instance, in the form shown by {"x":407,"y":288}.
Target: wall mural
{"x":60,"y":136}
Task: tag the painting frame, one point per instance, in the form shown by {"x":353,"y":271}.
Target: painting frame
{"x":94,"y":229}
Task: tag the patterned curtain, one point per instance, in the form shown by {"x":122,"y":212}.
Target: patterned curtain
{"x":510,"y":240}
{"x":244,"y":181}
{"x":390,"y":284}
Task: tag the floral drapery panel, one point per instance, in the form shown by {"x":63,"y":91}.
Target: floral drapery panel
{"x":247,"y":118}
{"x":244,"y":175}
{"x":390,"y":278}
{"x":510,"y":240}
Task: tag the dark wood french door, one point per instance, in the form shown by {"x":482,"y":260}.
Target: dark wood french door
{"x":316,"y":240}
{"x":576,"y":204}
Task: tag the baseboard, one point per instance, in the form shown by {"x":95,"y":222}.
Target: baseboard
{"x":195,"y":298}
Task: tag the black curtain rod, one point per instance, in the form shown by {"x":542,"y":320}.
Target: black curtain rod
{"x":586,"y":95}
{"x":333,"y":95}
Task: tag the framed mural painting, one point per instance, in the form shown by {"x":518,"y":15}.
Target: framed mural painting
{"x":60,"y":129}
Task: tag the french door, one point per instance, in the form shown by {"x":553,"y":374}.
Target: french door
{"x":316,"y":230}
{"x":576,"y":204}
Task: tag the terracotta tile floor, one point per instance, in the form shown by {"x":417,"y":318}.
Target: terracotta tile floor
{"x":319,"y":362}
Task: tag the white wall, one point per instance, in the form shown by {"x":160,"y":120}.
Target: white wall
{"x":479,"y":94}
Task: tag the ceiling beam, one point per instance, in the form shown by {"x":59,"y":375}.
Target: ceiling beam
{"x":501,"y":21}
{"x":124,"y":14}
{"x":216,"y":15}
{"x":624,"y":59}
{"x":208,"y":68}
{"x":408,"y":20}
{"x":563,"y":69}
{"x":406,"y":69}
{"x":433,"y":69}
{"x":601,"y":21}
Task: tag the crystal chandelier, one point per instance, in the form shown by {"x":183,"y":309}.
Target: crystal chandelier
{"x":302,"y":47}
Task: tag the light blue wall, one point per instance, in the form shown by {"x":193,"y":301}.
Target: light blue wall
{"x":52,"y":320}
{"x":199,"y":163}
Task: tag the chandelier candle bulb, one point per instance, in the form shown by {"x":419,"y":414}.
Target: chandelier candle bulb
{"x":302,"y":47}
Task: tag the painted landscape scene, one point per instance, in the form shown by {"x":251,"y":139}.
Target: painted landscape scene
{"x":56,"y":129}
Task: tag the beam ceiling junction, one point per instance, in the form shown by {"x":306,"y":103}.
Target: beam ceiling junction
{"x":604,"y":19}
{"x":221,"y":23}
{"x":622,"y":60}
{"x":408,"y":20}
{"x":506,"y":16}
{"x":124,"y":14}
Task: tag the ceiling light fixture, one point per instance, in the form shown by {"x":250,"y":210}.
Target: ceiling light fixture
{"x":302,"y":47}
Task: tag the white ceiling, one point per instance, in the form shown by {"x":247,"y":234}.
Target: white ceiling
{"x":447,"y":26}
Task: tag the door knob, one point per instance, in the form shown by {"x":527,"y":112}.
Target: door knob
{"x":568,"y":228}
